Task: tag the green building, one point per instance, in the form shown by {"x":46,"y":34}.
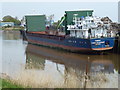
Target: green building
{"x":35,"y":22}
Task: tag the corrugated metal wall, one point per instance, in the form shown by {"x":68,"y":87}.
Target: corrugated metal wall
{"x":35,"y":22}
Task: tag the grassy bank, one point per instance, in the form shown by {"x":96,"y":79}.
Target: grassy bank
{"x":8,"y":84}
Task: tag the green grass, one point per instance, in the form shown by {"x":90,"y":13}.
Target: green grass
{"x":7,"y":84}
{"x":0,"y":84}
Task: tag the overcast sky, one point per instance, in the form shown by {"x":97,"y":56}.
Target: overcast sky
{"x":20,"y":9}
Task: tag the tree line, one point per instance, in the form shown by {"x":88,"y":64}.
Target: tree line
{"x":9,"y":18}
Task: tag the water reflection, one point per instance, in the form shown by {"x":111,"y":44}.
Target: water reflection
{"x":34,"y":61}
{"x":74,"y":68}
{"x":37,"y":56}
{"x":11,"y":35}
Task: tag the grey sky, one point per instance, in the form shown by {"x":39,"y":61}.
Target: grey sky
{"x":19,"y":9}
{"x":119,"y":12}
{"x":0,"y":10}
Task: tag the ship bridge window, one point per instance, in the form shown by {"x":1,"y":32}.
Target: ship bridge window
{"x":80,"y":19}
{"x":89,"y":31}
{"x":92,"y":20}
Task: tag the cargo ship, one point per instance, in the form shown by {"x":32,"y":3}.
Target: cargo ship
{"x":81,"y":32}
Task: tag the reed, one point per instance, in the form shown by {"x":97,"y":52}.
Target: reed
{"x":44,"y":80}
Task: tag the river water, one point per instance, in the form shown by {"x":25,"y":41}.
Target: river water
{"x":38,"y":66}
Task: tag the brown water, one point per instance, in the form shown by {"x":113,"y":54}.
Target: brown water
{"x":37,"y":66}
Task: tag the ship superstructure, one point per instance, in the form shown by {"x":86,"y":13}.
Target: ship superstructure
{"x":89,"y":27}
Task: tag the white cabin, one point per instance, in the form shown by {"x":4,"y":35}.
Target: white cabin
{"x":89,"y":27}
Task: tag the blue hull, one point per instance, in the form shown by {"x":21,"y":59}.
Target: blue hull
{"x":72,"y":44}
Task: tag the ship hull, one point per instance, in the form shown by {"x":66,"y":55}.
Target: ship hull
{"x":71,"y":44}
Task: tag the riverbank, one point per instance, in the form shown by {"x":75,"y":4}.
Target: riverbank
{"x":98,"y":80}
{"x":5,"y":82}
{"x":8,"y":84}
{"x":17,"y":28}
